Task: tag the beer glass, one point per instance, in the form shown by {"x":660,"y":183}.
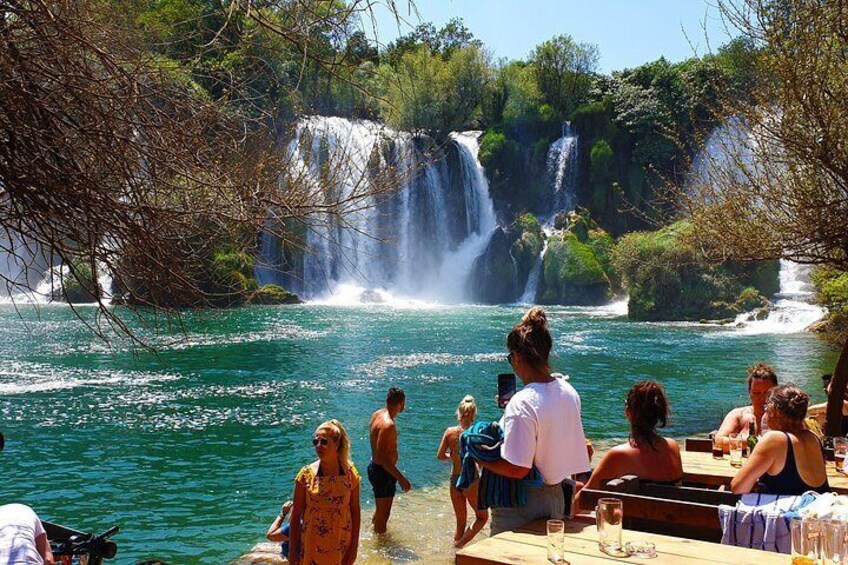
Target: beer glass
{"x":840,"y":447}
{"x":832,"y":542}
{"x":556,"y":541}
{"x":736,"y":443}
{"x":805,"y":541}
{"x":718,"y":446}
{"x":610,"y":517}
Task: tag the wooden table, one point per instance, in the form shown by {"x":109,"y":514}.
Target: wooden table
{"x":528,"y":546}
{"x":702,"y":468}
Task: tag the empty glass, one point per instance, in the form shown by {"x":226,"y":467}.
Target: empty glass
{"x":840,"y":448}
{"x":832,"y":542}
{"x":736,"y":444}
{"x":805,"y":541}
{"x":556,"y":541}
{"x":609,"y":515}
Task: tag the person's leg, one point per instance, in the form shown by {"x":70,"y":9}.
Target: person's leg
{"x":381,"y":514}
{"x":480,"y":516}
{"x":459,"y":511}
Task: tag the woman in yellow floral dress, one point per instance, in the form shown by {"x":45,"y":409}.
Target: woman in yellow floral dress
{"x":326,"y":514}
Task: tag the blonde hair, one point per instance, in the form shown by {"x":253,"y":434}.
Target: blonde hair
{"x":339,"y":433}
{"x":467,"y":409}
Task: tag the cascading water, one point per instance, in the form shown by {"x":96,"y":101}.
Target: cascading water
{"x":792,"y":312}
{"x":419,"y":242}
{"x":562,"y":170}
{"x":532,"y":288}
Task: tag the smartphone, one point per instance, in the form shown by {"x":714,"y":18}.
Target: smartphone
{"x":506,"y":388}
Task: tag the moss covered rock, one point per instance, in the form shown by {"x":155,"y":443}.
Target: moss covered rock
{"x":572,"y":274}
{"x":831,"y":288}
{"x":500,"y":273}
{"x":79,"y":284}
{"x":493,"y":278}
{"x":668,"y":278}
{"x":272,"y":294}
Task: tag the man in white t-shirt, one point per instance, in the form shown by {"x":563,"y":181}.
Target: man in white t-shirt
{"x":542,"y":428}
{"x":23,"y":540}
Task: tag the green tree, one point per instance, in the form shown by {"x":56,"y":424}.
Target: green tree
{"x":563,"y":70}
{"x":427,"y":93}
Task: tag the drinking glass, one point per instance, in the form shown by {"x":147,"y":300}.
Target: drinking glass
{"x":840,"y":448}
{"x":610,"y":516}
{"x":832,"y":542}
{"x":736,"y":443}
{"x":718,"y":445}
{"x":805,"y":541}
{"x":556,"y":541}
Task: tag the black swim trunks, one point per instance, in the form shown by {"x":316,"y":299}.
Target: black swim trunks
{"x":384,"y":485}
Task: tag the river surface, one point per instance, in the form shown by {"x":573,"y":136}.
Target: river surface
{"x":192,"y":447}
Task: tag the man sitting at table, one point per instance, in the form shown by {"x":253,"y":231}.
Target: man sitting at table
{"x":761,"y":379}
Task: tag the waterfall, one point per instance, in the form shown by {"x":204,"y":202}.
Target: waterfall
{"x":562,"y":170}
{"x":792,"y":311}
{"x":529,"y":294}
{"x":418,"y":242}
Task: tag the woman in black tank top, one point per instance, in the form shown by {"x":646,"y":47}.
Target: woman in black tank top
{"x":779,"y":465}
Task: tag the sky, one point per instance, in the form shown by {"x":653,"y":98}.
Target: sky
{"x":628,"y":33}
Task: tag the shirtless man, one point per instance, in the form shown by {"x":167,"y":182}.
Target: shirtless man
{"x":761,"y":379}
{"x":383,"y":473}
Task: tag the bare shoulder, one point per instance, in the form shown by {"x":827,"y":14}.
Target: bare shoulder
{"x":619,"y":451}
{"x":772,"y":439}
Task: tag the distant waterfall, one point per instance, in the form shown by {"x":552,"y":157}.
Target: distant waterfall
{"x":792,"y":311}
{"x":418,"y":242}
{"x":532,"y":288}
{"x":562,"y":170}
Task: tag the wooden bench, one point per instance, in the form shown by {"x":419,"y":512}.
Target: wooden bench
{"x":663,"y":509}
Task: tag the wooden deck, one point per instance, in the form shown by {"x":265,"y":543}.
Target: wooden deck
{"x":702,"y":468}
{"x":527,"y":546}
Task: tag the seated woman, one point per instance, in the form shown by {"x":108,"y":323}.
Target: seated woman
{"x":280,"y":530}
{"x":789,"y":459}
{"x":647,"y":455}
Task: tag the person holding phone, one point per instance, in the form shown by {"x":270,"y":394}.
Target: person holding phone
{"x":542,"y":428}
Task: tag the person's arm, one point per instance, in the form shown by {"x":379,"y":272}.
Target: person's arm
{"x":274,"y":532}
{"x":387,"y":455}
{"x":356,"y":521}
{"x":504,"y":468}
{"x":442,"y":454}
{"x":608,"y":468}
{"x":297,"y":515}
{"x":731,"y":423}
{"x":519,"y":446}
{"x":759,"y":462}
{"x":42,"y":545}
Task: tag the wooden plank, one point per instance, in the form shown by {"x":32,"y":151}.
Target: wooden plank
{"x":660,"y":515}
{"x":702,"y":468}
{"x":528,"y":545}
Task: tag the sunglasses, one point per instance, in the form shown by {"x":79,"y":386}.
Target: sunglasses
{"x":509,"y":358}
{"x":316,"y":441}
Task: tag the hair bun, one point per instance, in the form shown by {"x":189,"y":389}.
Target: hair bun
{"x":536,"y":317}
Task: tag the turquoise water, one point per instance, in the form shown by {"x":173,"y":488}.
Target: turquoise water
{"x":192,"y":448}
